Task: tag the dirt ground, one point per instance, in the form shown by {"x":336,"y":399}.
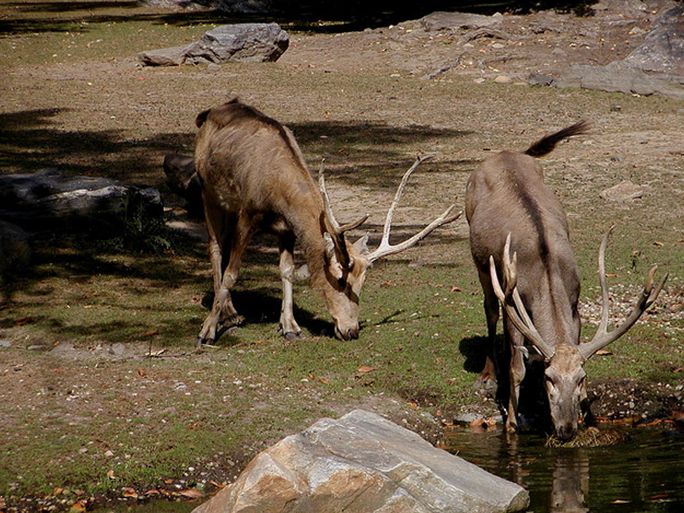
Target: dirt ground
{"x":74,"y":97}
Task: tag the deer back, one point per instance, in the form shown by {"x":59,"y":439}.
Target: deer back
{"x":507,"y":194}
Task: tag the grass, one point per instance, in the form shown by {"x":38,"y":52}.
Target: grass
{"x":90,"y":111}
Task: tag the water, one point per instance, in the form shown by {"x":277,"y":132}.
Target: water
{"x":644,"y":474}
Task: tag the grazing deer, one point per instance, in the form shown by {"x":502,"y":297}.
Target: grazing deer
{"x":509,"y":207}
{"x":254,"y":177}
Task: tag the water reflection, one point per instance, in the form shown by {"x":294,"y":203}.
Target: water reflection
{"x":644,"y":474}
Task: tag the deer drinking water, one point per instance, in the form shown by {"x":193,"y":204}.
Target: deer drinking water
{"x":510,"y":208}
{"x":254,"y":177}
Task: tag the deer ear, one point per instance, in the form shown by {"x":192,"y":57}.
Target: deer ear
{"x":334,"y":266}
{"x":361,"y":245}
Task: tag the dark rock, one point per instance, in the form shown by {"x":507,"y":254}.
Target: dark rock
{"x":50,"y":199}
{"x":244,"y":42}
{"x":441,"y":20}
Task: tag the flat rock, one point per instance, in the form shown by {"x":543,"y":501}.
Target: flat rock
{"x":618,"y":77}
{"x":624,"y":191}
{"x":174,"y":56}
{"x":440,"y":20}
{"x":363,"y":463}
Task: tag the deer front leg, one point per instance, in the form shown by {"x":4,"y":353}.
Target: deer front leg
{"x":222,"y":307}
{"x":491,"y":308}
{"x":517,"y":373}
{"x":288,"y":326}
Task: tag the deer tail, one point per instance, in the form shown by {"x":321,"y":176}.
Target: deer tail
{"x":547,"y":143}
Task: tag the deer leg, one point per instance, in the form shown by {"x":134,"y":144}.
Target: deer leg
{"x":491,"y":309}
{"x":288,"y":326}
{"x":223,"y":306}
{"x":516,"y":342}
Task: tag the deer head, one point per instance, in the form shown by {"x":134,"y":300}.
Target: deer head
{"x":346,"y":263}
{"x":564,"y":375}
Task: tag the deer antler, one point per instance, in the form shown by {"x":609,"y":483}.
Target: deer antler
{"x":648,"y":296}
{"x":339,"y":230}
{"x":516,"y":312}
{"x":385,"y":248}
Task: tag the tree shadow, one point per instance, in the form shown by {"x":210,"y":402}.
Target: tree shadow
{"x":475,"y":349}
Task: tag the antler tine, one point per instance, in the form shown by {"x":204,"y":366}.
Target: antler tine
{"x":329,"y":211}
{"x":648,"y":296}
{"x":385,"y":248}
{"x":524,"y":323}
{"x":603,"y":326}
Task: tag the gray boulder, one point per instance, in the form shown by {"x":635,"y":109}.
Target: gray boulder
{"x":619,"y":77}
{"x":51,"y":199}
{"x":363,"y":463}
{"x":244,"y":42}
{"x":663,"y":48}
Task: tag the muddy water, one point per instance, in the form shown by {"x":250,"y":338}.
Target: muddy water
{"x":644,"y":474}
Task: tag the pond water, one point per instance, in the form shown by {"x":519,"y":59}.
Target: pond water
{"x":644,"y":474}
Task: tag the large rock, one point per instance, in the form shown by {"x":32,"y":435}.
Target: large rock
{"x":182,"y":179}
{"x":654,"y":67}
{"x":50,"y":199}
{"x":440,"y":20}
{"x":244,"y":42}
{"x":363,"y":463}
{"x":663,"y":48}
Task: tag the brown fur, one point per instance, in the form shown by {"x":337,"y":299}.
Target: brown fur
{"x":507,"y":194}
{"x":254,"y":177}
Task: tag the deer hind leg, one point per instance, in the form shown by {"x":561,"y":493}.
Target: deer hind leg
{"x":288,"y":326}
{"x":516,"y":372}
{"x":222,"y":308}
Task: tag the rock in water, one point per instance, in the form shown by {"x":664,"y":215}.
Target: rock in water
{"x":363,"y":463}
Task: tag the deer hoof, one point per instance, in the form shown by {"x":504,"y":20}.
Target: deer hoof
{"x":292,"y":335}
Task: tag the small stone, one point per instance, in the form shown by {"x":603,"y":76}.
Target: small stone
{"x":503,"y":79}
{"x":109,"y":454}
{"x":479,"y":80}
{"x":498,"y":45}
{"x":4,"y":344}
{"x":624,"y":191}
{"x":37,"y":347}
{"x":117,"y":349}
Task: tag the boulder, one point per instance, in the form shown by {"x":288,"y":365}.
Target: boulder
{"x":440,"y":20}
{"x":51,"y":199}
{"x":363,"y":463}
{"x":663,"y":48}
{"x":244,"y":42}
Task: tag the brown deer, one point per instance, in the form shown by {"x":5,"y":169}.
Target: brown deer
{"x":509,"y":207}
{"x":254,"y":177}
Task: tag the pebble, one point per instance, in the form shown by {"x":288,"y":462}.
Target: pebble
{"x":4,"y":344}
{"x":503,"y":79}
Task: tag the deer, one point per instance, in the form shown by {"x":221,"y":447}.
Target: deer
{"x":520,"y":244}
{"x":254,"y":178}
